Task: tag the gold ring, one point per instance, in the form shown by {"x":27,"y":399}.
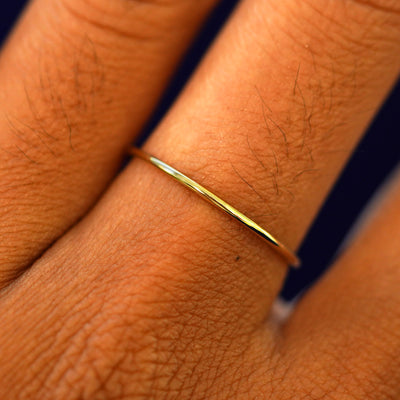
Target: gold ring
{"x":284,"y":251}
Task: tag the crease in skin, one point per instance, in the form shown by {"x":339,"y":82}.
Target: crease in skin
{"x":84,"y":17}
{"x":377,"y":5}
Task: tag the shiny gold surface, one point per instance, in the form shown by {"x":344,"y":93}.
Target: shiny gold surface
{"x":288,"y":255}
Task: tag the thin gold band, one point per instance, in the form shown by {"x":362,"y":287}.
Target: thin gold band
{"x":288,"y":255}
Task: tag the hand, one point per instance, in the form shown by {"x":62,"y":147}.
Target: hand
{"x":135,"y":288}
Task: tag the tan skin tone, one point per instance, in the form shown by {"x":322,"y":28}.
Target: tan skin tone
{"x":133,"y":287}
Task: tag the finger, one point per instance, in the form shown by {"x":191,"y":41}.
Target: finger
{"x":267,"y":128}
{"x":77,"y":80}
{"x":351,"y":319}
{"x":168,"y":289}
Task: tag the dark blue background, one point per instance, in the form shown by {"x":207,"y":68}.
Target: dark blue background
{"x":375,"y":157}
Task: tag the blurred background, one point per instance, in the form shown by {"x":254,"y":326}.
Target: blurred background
{"x":374,"y":159}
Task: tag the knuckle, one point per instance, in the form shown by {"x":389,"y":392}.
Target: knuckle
{"x":131,"y":346}
{"x":141,"y":20}
{"x":348,"y":26}
{"x":374,"y":19}
{"x":102,"y":358}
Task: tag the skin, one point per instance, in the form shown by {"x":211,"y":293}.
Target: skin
{"x":132,"y":287}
